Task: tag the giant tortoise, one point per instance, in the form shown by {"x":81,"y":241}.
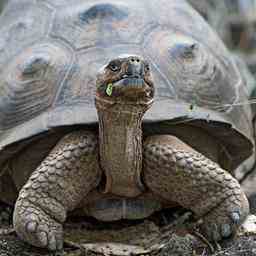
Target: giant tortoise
{"x":124,"y":157}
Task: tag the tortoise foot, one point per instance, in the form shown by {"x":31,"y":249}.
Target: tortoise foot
{"x":224,"y":220}
{"x":36,"y":227}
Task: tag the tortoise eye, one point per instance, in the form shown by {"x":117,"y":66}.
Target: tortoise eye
{"x":147,"y":67}
{"x":114,"y":66}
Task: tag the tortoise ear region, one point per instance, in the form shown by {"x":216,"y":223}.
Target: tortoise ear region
{"x":35,"y":63}
{"x":184,"y":50}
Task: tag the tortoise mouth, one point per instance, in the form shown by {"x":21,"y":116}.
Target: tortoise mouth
{"x":134,"y":88}
{"x":131,"y":82}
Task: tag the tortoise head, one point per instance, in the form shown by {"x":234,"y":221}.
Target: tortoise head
{"x":126,"y":79}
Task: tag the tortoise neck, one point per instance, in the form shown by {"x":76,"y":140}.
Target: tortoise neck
{"x":120,"y":142}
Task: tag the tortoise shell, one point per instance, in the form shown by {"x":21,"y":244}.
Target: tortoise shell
{"x":51,"y":50}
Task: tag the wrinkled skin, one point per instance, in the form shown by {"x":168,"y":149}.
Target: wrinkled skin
{"x":125,"y":171}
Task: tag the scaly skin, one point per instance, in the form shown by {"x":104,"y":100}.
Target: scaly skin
{"x":178,"y":173}
{"x":57,"y":186}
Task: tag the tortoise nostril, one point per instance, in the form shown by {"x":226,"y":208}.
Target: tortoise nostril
{"x":135,"y":60}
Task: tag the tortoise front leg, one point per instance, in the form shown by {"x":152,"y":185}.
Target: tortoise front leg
{"x":178,"y":173}
{"x":57,"y":186}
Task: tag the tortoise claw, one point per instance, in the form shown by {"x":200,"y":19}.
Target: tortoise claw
{"x":226,"y":230}
{"x":235,"y":216}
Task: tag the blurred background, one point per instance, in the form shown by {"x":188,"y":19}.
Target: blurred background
{"x":235,"y":22}
{"x":2,"y":3}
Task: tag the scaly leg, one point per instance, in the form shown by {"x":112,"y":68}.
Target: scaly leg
{"x":178,"y":173}
{"x":57,"y":186}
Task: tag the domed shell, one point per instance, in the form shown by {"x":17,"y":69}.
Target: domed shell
{"x":49,"y":66}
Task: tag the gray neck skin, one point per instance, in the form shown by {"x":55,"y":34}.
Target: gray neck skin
{"x":120,"y":142}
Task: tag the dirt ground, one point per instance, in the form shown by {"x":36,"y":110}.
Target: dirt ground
{"x":242,"y":246}
{"x":144,"y":238}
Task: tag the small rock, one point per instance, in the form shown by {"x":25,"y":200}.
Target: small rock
{"x":249,"y":226}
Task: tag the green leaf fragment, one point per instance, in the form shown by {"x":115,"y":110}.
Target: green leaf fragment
{"x":109,"y":89}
